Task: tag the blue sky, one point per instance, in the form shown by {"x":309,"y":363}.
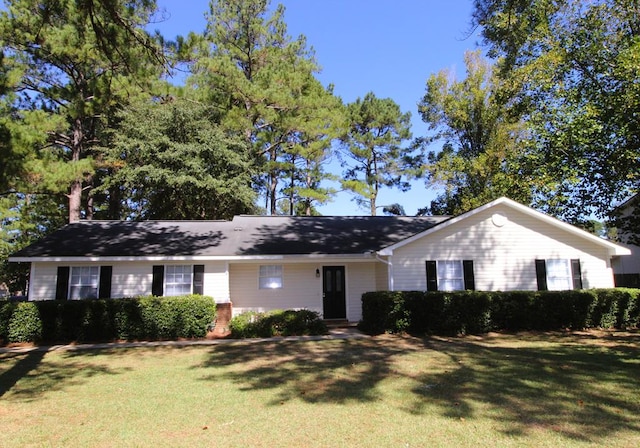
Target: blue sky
{"x":389,"y":48}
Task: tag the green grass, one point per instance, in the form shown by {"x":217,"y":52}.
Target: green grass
{"x":542,"y":390}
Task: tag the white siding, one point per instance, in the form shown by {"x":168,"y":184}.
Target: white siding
{"x":42,"y":284}
{"x":216,"y":281}
{"x":361,"y":278}
{"x":301,"y":288}
{"x":131,"y":279}
{"x":627,"y":264}
{"x":504,"y":257}
{"x":382,"y":276}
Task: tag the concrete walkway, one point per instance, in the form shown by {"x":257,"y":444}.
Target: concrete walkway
{"x":334,"y":333}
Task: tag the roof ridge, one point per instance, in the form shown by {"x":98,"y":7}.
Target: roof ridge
{"x":342,"y":216}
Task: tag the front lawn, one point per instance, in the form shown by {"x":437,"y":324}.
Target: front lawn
{"x":556,"y":389}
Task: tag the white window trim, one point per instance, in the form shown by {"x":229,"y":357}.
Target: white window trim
{"x":441,"y":280}
{"x":552,"y":280}
{"x":166,"y":275}
{"x":80,"y":285}
{"x":260,"y":277}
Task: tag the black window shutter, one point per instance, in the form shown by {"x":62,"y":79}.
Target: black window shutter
{"x":104,"y":289}
{"x":432,"y":276}
{"x":198,"y":279}
{"x":157,"y":284}
{"x":576,"y":274}
{"x":469,"y":278}
{"x":541,"y":275}
{"x":62,"y":283}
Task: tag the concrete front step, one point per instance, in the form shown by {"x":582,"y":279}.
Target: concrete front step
{"x":337,"y":323}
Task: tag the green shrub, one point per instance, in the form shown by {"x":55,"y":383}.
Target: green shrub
{"x":194,"y":316}
{"x":25,"y":324}
{"x":64,"y":321}
{"x":176,"y":317}
{"x":277,"y":323}
{"x":475,"y":312}
{"x":514,"y":311}
{"x":6,"y":310}
{"x":628,"y":315}
{"x":241,"y":326}
{"x":376,"y":311}
{"x":127,"y":320}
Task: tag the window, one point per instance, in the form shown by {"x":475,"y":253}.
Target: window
{"x":558,"y":274}
{"x":177,"y":280}
{"x":83,"y":282}
{"x":270,"y":276}
{"x":450,"y":275}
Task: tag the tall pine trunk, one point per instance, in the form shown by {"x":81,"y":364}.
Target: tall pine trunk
{"x":75,"y":192}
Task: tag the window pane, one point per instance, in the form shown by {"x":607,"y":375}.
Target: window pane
{"x":450,"y":275}
{"x":558,"y":275}
{"x":451,"y":285}
{"x":270,"y":283}
{"x":177,"y":280}
{"x":270,"y":277}
{"x":83,"y":282}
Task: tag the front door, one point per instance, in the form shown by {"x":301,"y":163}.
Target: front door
{"x":333,"y":293}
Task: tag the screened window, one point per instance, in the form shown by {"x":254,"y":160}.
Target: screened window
{"x":558,"y":275}
{"x":177,"y":280}
{"x":83,"y":282}
{"x":450,"y":275}
{"x":270,"y":276}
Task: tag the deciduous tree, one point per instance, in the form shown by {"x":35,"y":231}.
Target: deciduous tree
{"x":175,"y":162}
{"x":484,"y":148}
{"x":573,"y":67}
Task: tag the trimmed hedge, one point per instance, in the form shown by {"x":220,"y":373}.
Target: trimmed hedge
{"x":148,"y":318}
{"x":475,"y":312}
{"x":277,"y":323}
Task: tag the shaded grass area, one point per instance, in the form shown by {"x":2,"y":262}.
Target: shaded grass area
{"x":556,"y":389}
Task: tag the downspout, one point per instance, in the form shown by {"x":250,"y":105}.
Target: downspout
{"x":32,"y":275}
{"x":389,"y":270}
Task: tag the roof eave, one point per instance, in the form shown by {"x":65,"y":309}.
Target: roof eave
{"x":367,"y":256}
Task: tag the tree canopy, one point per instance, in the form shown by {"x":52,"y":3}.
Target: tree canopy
{"x":373,"y":155}
{"x":90,"y":127}
{"x":484,"y":148}
{"x":174,"y":162}
{"x":572,"y":68}
{"x":75,"y":62}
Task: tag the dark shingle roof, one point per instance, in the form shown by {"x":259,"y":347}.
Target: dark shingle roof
{"x":245,"y":235}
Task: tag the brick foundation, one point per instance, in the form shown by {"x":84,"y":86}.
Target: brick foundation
{"x":223,"y":316}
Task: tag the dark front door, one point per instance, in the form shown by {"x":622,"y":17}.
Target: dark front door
{"x":333,"y":293}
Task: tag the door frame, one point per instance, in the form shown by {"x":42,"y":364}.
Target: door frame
{"x":346,"y":296}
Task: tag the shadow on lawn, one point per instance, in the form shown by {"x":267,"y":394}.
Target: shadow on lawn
{"x":573,"y":387}
{"x":579,"y":387}
{"x":31,"y":375}
{"x":335,"y":372}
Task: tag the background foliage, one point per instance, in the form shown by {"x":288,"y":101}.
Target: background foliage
{"x":90,"y":127}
